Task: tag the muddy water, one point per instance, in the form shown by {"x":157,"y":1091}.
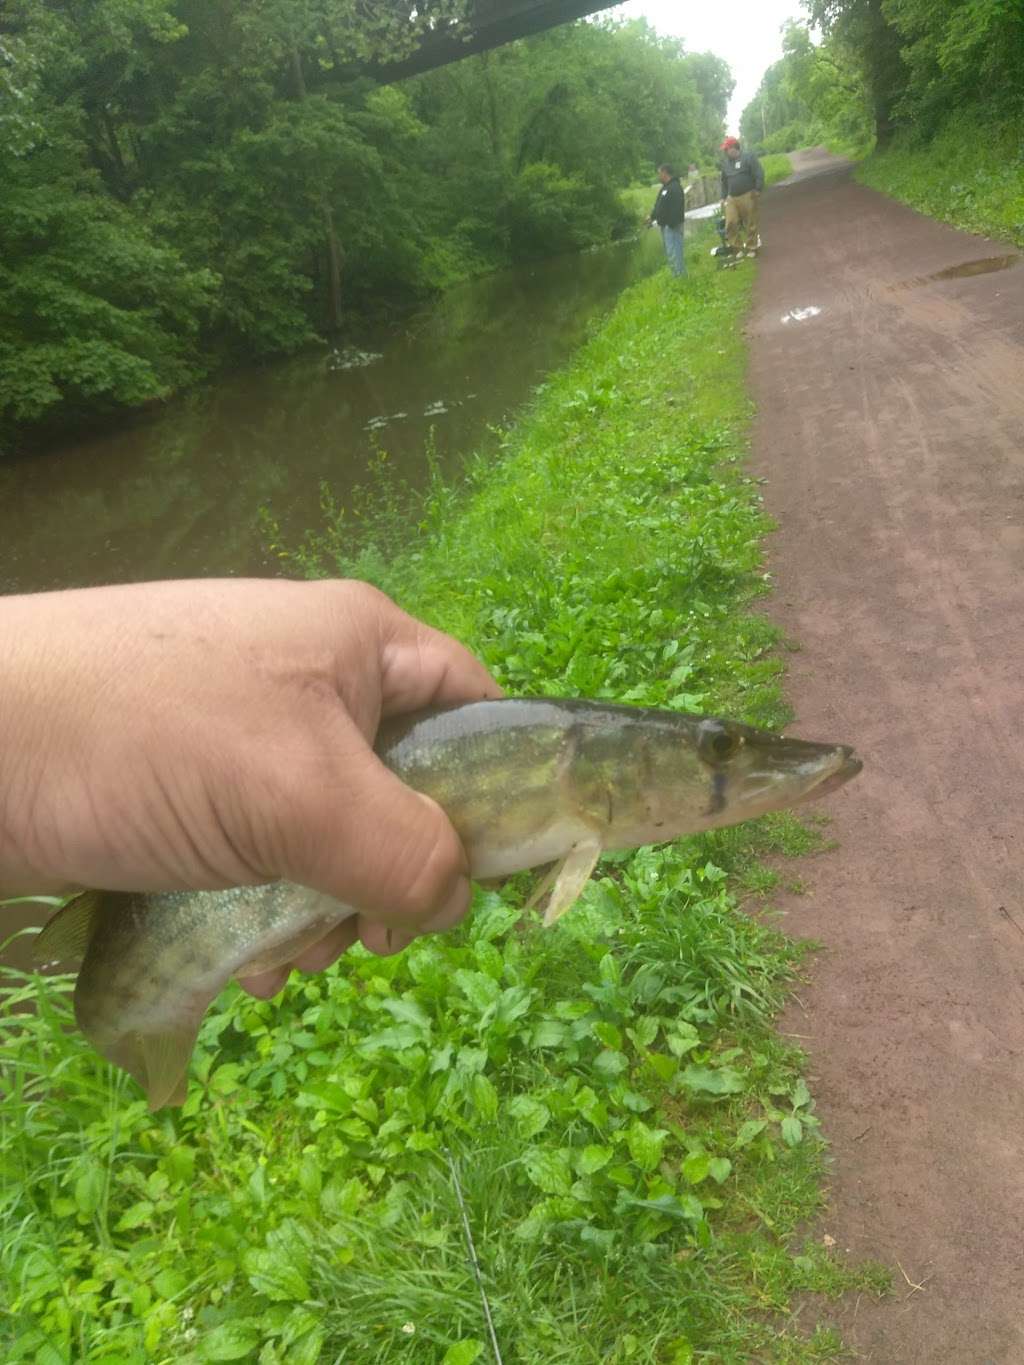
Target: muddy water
{"x":987,"y":265}
{"x":178,"y":496}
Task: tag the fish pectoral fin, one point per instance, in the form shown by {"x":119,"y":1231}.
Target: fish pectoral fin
{"x":566,"y":880}
{"x":166,"y":1057}
{"x":67,"y":934}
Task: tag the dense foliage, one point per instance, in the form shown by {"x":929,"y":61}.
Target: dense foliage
{"x":636,"y":1146}
{"x":813,"y":94}
{"x":933,"y":85}
{"x":190,"y":180}
{"x":892,"y":68}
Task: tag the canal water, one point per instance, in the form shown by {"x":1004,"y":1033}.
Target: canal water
{"x":177,"y":495}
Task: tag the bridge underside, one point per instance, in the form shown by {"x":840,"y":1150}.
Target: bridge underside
{"x":494,"y":22}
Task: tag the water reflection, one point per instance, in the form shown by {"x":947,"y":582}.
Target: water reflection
{"x":178,"y":496}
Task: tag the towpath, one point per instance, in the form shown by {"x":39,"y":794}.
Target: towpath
{"x":888,"y":369}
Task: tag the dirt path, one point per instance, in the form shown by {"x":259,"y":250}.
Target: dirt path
{"x":891,"y":430}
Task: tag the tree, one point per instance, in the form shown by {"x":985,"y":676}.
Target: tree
{"x":861,"y":37}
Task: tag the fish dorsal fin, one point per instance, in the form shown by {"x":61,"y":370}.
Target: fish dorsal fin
{"x":167,"y":1056}
{"x":67,"y":934}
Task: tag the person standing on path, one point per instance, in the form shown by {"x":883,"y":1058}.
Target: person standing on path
{"x":668,"y":212}
{"x":742,"y":183}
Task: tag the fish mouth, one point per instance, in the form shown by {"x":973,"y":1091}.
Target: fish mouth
{"x":847,"y":766}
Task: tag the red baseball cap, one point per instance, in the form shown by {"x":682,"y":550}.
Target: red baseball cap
{"x":730,"y":142}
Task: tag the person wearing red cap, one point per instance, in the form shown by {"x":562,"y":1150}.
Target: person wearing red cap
{"x":742,"y":183}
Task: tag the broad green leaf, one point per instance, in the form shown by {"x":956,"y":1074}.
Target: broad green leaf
{"x":696,"y":1167}
{"x":607,"y":1034}
{"x":407,"y":1010}
{"x":180,"y":1163}
{"x":530,"y":1115}
{"x":645,"y":1144}
{"x":713,"y":1080}
{"x":276,"y":1275}
{"x":548,"y":1033}
{"x":258,"y":1186}
{"x":513,"y":1003}
{"x":664,"y":1068}
{"x":228,"y":1341}
{"x":136,"y":1216}
{"x":801,"y":1095}
{"x":169,"y":1282}
{"x":792,"y":1130}
{"x":592,"y":1109}
{"x":393,"y":1039}
{"x":463,"y":1352}
{"x":610,"y":1063}
{"x":548,"y":1168}
{"x":609,"y":970}
{"x":479,"y":989}
{"x":89,"y":1188}
{"x":485,"y":1098}
{"x":719,"y":1168}
{"x":683,"y":1038}
{"x":749,"y":1130}
{"x":644,"y":1032}
{"x":310,"y":1176}
{"x":308,"y":1350}
{"x":593,"y":1158}
{"x":441,"y":1059}
{"x":340,"y":1198}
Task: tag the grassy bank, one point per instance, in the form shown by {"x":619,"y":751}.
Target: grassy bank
{"x":636,"y":1146}
{"x":777,"y":167}
{"x":971,"y":174}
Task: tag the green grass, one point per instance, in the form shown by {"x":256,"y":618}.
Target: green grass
{"x":776,"y":167}
{"x":638,"y":1149}
{"x":970,"y":174}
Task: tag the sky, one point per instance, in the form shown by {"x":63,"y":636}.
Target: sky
{"x":749,"y":40}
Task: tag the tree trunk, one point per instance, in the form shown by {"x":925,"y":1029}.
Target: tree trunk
{"x":335,"y":259}
{"x":335,"y":254}
{"x":492,"y":107}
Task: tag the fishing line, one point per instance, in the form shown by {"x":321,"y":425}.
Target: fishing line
{"x":468,"y":1231}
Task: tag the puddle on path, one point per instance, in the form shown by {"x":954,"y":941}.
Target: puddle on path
{"x":986,"y":266}
{"x":800,"y":314}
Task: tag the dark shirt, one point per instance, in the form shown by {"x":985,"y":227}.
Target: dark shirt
{"x":669,"y":206}
{"x":741,"y":176}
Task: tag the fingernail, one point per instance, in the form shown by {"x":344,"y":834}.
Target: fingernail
{"x":454,"y":909}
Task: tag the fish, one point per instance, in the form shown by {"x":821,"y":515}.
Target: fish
{"x":526,"y":782}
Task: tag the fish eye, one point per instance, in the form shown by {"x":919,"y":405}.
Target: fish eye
{"x":717,"y":742}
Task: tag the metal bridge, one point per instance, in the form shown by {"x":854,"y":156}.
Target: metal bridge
{"x":491,"y":23}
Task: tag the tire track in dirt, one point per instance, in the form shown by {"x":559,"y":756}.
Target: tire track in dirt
{"x":891,"y":431}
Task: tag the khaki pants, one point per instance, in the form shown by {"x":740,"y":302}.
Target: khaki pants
{"x":740,"y":220}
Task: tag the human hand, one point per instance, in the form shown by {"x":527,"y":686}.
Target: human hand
{"x":215,"y":733}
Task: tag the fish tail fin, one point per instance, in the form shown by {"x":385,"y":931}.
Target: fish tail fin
{"x":67,"y":934}
{"x":165,"y":1059}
